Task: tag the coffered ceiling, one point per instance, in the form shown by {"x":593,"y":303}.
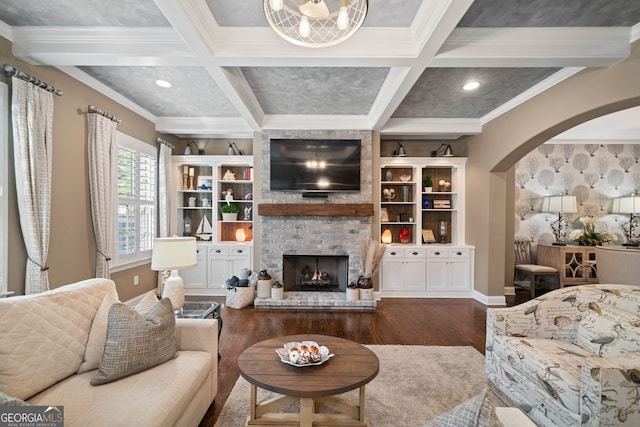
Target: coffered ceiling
{"x":402,"y":73}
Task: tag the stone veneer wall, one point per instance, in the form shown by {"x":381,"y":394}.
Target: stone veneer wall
{"x":315,"y":235}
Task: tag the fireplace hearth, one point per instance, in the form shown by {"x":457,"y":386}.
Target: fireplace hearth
{"x":317,"y":273}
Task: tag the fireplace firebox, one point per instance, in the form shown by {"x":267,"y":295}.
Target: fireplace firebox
{"x":319,"y":273}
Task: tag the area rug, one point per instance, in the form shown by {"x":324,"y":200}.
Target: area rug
{"x":414,"y":385}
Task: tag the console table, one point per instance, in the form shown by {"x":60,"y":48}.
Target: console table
{"x":576,"y":265}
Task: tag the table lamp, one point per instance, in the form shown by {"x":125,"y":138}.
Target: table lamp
{"x":627,"y":205}
{"x":173,"y":253}
{"x":562,"y":205}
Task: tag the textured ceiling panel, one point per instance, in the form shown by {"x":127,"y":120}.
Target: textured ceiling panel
{"x":438,"y":93}
{"x":134,"y":13}
{"x":552,"y":13}
{"x":388,"y":13}
{"x":193,"y":94}
{"x":322,"y":90}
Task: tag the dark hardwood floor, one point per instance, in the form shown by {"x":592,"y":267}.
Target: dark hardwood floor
{"x":415,"y":321}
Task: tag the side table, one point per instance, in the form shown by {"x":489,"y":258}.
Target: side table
{"x":201,"y":310}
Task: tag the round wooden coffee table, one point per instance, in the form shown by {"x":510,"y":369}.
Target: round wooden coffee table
{"x":352,"y":367}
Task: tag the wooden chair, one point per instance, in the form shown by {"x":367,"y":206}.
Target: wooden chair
{"x":526,"y":264}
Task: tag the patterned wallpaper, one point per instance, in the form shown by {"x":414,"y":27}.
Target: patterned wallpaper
{"x":594,"y":173}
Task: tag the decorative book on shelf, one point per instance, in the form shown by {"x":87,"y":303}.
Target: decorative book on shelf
{"x":442,"y":204}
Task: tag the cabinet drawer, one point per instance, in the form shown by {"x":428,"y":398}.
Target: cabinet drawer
{"x":239,"y":252}
{"x":407,"y":252}
{"x":459,"y":252}
{"x":393,"y":252}
{"x":217,"y":252}
{"x":439,"y":252}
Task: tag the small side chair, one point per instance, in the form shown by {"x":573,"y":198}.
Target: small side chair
{"x":526,"y":264}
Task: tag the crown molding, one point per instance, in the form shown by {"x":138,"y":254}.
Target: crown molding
{"x":219,"y":126}
{"x":418,"y":126}
{"x":305,"y":122}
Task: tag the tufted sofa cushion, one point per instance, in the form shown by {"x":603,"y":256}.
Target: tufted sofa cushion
{"x":46,"y":333}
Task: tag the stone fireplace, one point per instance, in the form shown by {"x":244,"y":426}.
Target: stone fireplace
{"x":320,"y":236}
{"x":319,"y":273}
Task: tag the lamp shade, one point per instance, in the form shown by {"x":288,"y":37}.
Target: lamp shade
{"x":626,"y":205}
{"x":172,"y":253}
{"x":566,"y":204}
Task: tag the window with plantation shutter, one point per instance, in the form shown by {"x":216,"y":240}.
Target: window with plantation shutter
{"x":135,"y":179}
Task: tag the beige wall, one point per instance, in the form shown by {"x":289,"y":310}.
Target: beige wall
{"x":72,"y":245}
{"x":492,"y":155}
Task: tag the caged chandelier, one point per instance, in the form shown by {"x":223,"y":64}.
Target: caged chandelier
{"x":315,"y":23}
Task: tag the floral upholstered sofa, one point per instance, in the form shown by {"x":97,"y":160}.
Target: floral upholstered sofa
{"x":570,"y":357}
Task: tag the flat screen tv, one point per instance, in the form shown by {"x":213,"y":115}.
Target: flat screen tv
{"x":315,"y":165}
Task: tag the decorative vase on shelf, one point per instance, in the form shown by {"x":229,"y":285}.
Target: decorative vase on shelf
{"x":388,"y":176}
{"x":405,"y":235}
{"x":229,"y":216}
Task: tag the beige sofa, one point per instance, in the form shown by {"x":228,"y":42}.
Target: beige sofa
{"x":44,"y":342}
{"x":570,"y":357}
{"x":618,"y":264}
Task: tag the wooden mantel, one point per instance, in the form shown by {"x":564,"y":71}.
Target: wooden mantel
{"x":315,"y":209}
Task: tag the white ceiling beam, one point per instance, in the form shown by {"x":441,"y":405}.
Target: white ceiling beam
{"x":369,"y":47}
{"x":433,"y":24}
{"x":187,"y":18}
{"x":101,"y":46}
{"x":534,"y":47}
{"x":418,"y":126}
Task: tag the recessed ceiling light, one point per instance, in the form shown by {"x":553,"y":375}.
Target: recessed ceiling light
{"x":471,"y":85}
{"x":163,"y":83}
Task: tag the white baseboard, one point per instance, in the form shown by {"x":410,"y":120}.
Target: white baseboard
{"x":487,"y":300}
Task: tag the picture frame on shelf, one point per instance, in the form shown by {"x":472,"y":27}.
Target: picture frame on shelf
{"x":428,"y":236}
{"x":384,"y":215}
{"x":205,"y":182}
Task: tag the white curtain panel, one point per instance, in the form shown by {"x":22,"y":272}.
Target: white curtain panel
{"x":101,"y":142}
{"x":164,"y":199}
{"x":32,"y":117}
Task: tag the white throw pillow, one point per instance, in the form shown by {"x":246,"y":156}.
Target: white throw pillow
{"x":98,"y":334}
{"x":145,"y":305}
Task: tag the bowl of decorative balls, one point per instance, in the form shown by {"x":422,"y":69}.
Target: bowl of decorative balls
{"x":305,"y":353}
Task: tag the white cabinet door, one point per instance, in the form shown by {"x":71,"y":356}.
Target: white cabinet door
{"x":391,"y":274}
{"x":459,"y":261}
{"x":217,"y":267}
{"x":403,"y":271}
{"x":437,"y":269}
{"x":415,"y":276}
{"x":196,"y":277}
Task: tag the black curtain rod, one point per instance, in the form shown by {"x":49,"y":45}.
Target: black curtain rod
{"x":93,"y":109}
{"x":168,"y":144}
{"x":10,"y":71}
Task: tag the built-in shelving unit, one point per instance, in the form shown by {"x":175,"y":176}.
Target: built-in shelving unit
{"x":201,"y":186}
{"x":427,"y":255}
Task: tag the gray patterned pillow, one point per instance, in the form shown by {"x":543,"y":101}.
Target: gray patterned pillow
{"x":6,"y":400}
{"x":136,"y":343}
